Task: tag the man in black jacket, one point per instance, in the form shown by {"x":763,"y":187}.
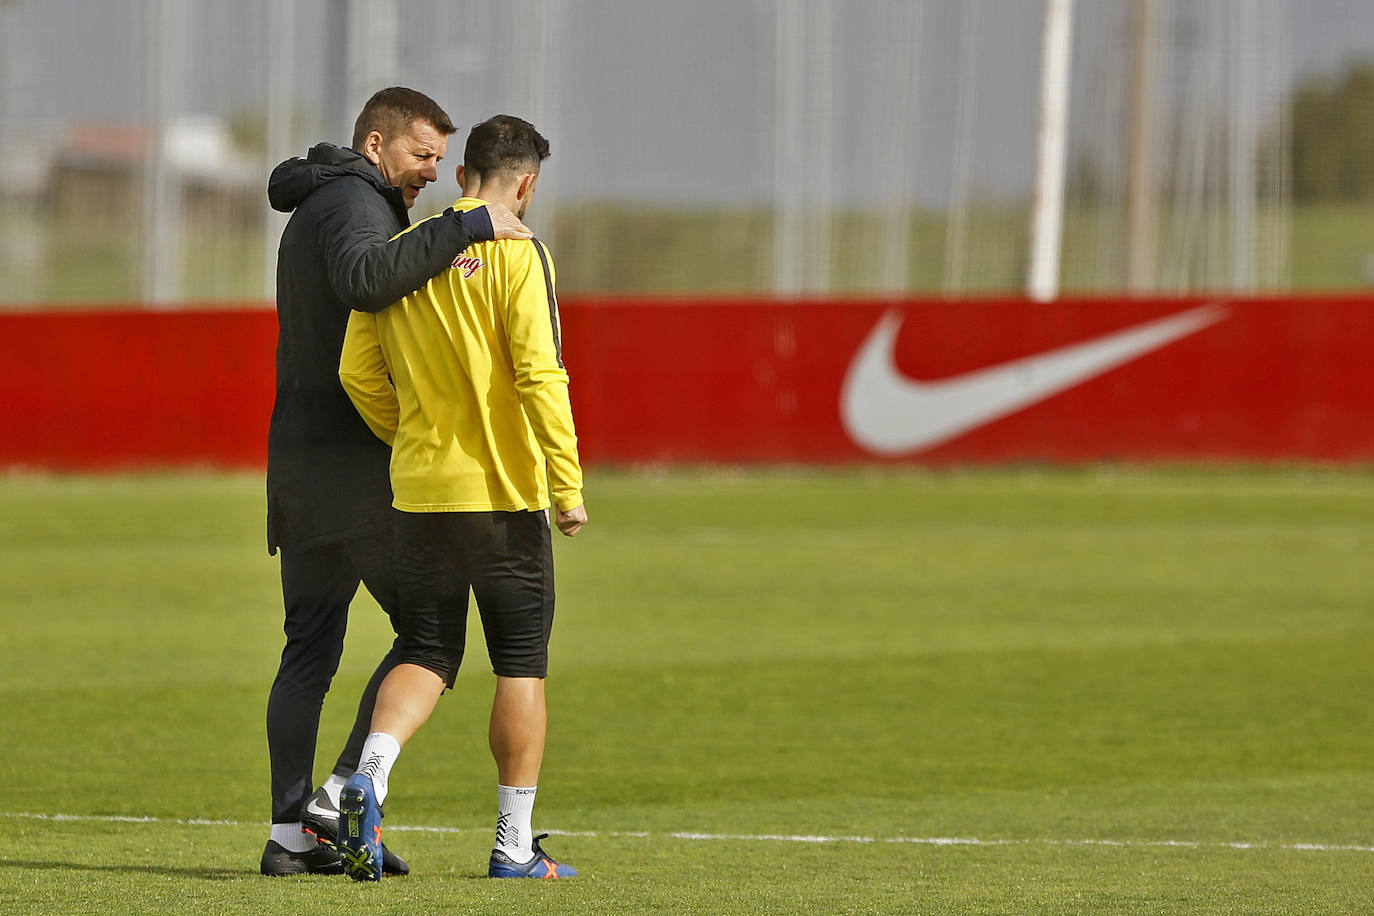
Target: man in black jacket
{"x":328,"y":489}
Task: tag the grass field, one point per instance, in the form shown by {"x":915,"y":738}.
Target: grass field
{"x":1099,"y":691}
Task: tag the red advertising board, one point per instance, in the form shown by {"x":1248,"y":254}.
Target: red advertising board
{"x":983,"y":381}
{"x":129,"y":388}
{"x":753,"y":380}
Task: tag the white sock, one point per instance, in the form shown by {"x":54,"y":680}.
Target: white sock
{"x":292,"y":838}
{"x":333,"y":786}
{"x":380,"y":751}
{"x":514,"y":836}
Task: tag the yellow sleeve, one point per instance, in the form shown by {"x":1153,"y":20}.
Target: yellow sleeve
{"x":365,"y":376}
{"x":535,"y":347}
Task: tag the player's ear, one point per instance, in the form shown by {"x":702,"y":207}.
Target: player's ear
{"x":372,"y":148}
{"x":526,"y":186}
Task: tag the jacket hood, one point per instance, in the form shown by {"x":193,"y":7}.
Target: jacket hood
{"x":296,"y":179}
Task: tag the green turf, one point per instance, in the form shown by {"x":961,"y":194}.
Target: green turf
{"x":1137,"y":691}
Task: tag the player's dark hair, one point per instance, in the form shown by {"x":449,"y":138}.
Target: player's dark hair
{"x":504,"y":143}
{"x":390,"y":111}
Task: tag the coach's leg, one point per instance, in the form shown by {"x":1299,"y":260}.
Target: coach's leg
{"x":373,"y":556}
{"x":317,"y":586}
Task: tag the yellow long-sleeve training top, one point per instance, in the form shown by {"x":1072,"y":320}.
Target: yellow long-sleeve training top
{"x":464,"y":377}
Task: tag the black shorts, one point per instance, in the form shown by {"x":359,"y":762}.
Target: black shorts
{"x":505,"y":558}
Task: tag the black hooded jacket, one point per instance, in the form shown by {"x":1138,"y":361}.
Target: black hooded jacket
{"x":327,"y":474}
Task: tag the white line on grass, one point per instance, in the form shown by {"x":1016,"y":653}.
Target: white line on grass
{"x":752,"y":837}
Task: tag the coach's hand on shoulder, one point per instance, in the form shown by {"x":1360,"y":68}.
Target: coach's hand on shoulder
{"x":506,"y":223}
{"x":571,"y":522}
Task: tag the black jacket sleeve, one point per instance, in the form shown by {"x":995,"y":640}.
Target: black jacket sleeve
{"x":368,"y":269}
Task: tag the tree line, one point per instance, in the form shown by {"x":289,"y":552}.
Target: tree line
{"x":1333,"y":137}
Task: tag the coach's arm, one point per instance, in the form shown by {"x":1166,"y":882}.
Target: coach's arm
{"x":369,"y":270}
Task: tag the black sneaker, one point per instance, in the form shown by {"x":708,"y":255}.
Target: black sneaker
{"x":277,"y":861}
{"x":321,"y":817}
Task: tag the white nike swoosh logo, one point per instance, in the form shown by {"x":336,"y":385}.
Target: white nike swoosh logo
{"x":318,"y":810}
{"x":888,"y":414}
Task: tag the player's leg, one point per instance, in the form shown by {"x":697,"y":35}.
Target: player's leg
{"x":431,"y":624}
{"x":407,"y":696}
{"x":431,"y":620}
{"x":373,"y":557}
{"x":317,"y":586}
{"x":519,"y":722}
{"x":349,"y":757}
{"x":512,"y":576}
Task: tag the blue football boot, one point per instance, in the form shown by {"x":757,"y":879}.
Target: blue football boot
{"x":360,"y":829}
{"x":320,"y":817}
{"x":539,"y":865}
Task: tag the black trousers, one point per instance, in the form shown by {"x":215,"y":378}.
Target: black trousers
{"x":317,"y":586}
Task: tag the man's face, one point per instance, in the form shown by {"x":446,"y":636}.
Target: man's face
{"x":409,"y":160}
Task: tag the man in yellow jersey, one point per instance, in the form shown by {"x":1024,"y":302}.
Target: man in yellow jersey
{"x":465,"y":379}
